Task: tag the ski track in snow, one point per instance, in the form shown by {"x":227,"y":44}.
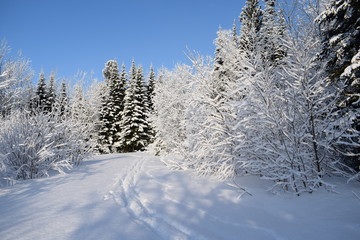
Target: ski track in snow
{"x":134,"y":196}
{"x":124,"y":194}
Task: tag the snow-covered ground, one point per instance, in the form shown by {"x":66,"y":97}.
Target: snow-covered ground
{"x":134,"y":196}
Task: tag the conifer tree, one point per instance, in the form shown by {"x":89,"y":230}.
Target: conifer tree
{"x":251,"y":21}
{"x":150,"y":92}
{"x":63,"y":100}
{"x":41,"y":93}
{"x":235,"y":36}
{"x":78,"y":103}
{"x":150,"y":89}
{"x":51,"y":94}
{"x":112,"y":104}
{"x":341,"y":53}
{"x":226,"y":66}
{"x":134,"y":135}
{"x":271,"y":34}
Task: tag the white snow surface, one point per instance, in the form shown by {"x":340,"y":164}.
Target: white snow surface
{"x":134,"y":196}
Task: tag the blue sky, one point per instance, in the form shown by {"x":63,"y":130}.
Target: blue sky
{"x":71,"y":35}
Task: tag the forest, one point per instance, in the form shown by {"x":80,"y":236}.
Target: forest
{"x":278,"y":100}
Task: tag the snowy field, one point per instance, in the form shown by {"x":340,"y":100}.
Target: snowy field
{"x":134,"y":196}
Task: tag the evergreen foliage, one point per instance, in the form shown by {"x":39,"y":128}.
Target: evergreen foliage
{"x":251,"y":22}
{"x":41,"y":98}
{"x":135,"y":133}
{"x":150,"y":88}
{"x":340,"y":28}
{"x":271,"y":34}
{"x":51,"y":95}
{"x":63,"y":100}
{"x":112,"y":106}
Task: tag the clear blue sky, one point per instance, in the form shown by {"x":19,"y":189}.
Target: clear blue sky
{"x":68,"y":35}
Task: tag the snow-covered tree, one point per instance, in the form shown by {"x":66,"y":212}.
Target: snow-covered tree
{"x":340,"y":23}
{"x":172,"y":94}
{"x":51,"y":94}
{"x":78,"y":103}
{"x":113,"y":105}
{"x":271,"y":34}
{"x":226,"y":65}
{"x":41,"y":93}
{"x":150,"y":88}
{"x":33,"y":144}
{"x":63,"y":100}
{"x":251,"y":22}
{"x":150,"y":91}
{"x":341,"y":52}
{"x":210,"y":122}
{"x":135,"y":132}
{"x":288,"y":133}
{"x":15,"y":81}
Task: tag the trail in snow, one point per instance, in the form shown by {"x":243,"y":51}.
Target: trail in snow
{"x":125,"y":195}
{"x":134,"y":196}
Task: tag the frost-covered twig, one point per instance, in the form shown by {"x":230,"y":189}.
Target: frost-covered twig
{"x":357,"y":196}
{"x":237,"y":186}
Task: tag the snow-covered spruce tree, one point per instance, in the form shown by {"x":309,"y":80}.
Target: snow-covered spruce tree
{"x":251,"y":21}
{"x":341,"y":52}
{"x":15,"y":81}
{"x":150,"y":88}
{"x":113,"y":105}
{"x":51,"y":94}
{"x":172,"y":94}
{"x":78,"y":103}
{"x":340,"y":35}
{"x":62,"y":102}
{"x":271,"y":33}
{"x":41,"y":99}
{"x":226,"y":64}
{"x":135,"y":135}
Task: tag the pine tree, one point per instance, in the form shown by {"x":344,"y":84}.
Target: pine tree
{"x":134,"y":135}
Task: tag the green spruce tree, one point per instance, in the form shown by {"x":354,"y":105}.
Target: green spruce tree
{"x":63,"y":101}
{"x":134,"y":135}
{"x":340,"y":29}
{"x":251,"y":22}
{"x":112,"y":102}
{"x":271,"y":34}
{"x":41,"y":94}
{"x":51,"y":94}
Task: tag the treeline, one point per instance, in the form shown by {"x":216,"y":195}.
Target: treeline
{"x":280,"y":100}
{"x":52,"y":126}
